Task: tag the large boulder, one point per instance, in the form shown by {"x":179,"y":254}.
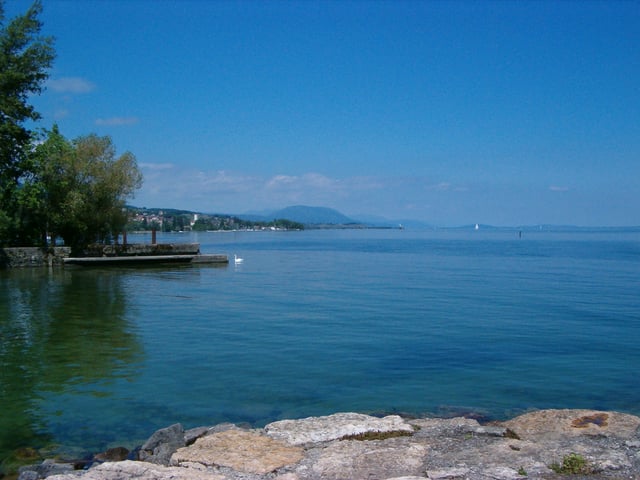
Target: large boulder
{"x":333,"y":427}
{"x":162,"y":444}
{"x":555,"y":424}
{"x":242,"y":451}
{"x":355,"y":459}
{"x":348,"y":445}
{"x":139,"y":471}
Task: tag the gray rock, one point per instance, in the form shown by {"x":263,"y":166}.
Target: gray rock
{"x":333,"y":427}
{"x":411,"y":477}
{"x":503,"y":473}
{"x":444,"y":449}
{"x":490,"y":431}
{"x":29,"y":475}
{"x":140,"y":471}
{"x":430,"y":427}
{"x":45,"y":469}
{"x":223,"y":427}
{"x":193,"y":434}
{"x":448,"y":473}
{"x":162,"y":444}
{"x":366,"y":459}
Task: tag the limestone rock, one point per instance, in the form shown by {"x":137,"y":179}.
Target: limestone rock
{"x":47,"y":468}
{"x":411,"y":477}
{"x":29,"y":475}
{"x":140,"y":471}
{"x":502,"y":473}
{"x":430,"y":427}
{"x":333,"y":427}
{"x":448,"y":473}
{"x":369,"y":459}
{"x":240,"y":450}
{"x":161,"y":445}
{"x":572,"y":423}
{"x":444,"y":449}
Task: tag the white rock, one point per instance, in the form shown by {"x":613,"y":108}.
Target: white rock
{"x":369,"y":459}
{"x":502,"y":473}
{"x":447,"y":473}
{"x":333,"y":427}
{"x":407,"y":478}
{"x":140,"y":471}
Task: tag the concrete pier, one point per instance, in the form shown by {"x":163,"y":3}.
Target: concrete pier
{"x":147,"y":260}
{"x":130,"y":254}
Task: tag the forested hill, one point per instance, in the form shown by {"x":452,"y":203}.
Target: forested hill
{"x":313,"y":215}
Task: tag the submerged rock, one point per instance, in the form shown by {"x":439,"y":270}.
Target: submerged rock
{"x":115,"y":454}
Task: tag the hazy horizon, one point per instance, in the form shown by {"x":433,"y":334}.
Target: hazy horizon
{"x":373,"y":218}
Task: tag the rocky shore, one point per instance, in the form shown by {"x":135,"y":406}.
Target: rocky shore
{"x":545,"y":444}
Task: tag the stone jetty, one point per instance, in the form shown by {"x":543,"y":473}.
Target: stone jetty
{"x":103,"y":255}
{"x":546,"y":444}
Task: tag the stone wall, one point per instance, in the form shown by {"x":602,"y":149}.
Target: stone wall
{"x":18,"y":257}
{"x":142,"y":249}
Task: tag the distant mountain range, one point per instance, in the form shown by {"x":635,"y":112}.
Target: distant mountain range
{"x":328,"y":217}
{"x":322,"y":216}
{"x":304,"y":214}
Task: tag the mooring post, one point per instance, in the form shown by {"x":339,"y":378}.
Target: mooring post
{"x":124,"y":237}
{"x":153,"y":236}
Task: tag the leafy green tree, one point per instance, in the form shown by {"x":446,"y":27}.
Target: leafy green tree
{"x":25,"y":60}
{"x":42,"y":192}
{"x":102,"y":184}
{"x":81,"y":188}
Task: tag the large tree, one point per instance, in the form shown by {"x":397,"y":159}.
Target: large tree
{"x":80,"y":188}
{"x":43,"y":192}
{"x":25,"y":60}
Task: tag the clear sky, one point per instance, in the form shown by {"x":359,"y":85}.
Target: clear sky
{"x":505,"y":113}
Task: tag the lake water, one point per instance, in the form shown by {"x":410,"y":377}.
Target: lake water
{"x":316,"y":322}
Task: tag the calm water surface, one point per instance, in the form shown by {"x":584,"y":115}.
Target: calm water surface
{"x":316,"y":322}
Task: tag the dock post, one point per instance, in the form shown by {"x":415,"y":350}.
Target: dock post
{"x":124,"y":237}
{"x":153,"y":236}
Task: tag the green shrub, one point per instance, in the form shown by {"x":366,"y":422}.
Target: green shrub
{"x":572,"y":464}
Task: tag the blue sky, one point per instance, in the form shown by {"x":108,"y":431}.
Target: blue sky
{"x":505,"y":113}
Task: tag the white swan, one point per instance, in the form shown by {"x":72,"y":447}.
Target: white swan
{"x":237,"y":259}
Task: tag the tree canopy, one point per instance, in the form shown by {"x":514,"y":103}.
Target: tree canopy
{"x":25,"y":59}
{"x":79,"y":189}
{"x":51,"y":187}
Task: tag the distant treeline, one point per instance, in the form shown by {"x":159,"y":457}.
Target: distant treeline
{"x":171,"y":220}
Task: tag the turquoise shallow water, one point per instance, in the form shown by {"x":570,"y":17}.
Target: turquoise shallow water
{"x":314,"y":322}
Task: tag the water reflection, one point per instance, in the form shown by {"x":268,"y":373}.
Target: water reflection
{"x":61,"y":331}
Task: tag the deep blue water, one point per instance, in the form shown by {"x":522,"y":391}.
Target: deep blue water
{"x":315,"y":322}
